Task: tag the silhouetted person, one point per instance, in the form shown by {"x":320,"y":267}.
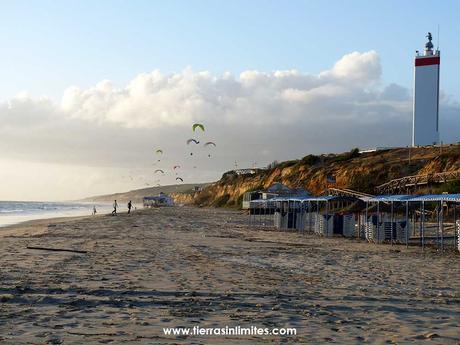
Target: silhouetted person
{"x":94,"y":210}
{"x":115,"y":205}
{"x":130,"y":205}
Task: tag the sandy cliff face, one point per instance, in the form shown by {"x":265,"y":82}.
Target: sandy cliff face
{"x":181,"y":198}
{"x":362,"y":172}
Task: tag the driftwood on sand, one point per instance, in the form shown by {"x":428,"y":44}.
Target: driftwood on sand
{"x":58,"y":249}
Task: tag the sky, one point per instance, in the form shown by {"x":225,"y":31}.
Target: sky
{"x":91,"y":88}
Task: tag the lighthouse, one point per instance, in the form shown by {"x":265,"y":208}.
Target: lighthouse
{"x":425,"y":123}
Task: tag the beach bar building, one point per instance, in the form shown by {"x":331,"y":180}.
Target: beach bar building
{"x":323,"y":215}
{"x":275,"y":190}
{"x":423,"y":219}
{"x":387,"y":219}
{"x":158,"y":201}
{"x":333,"y":215}
{"x":438,"y":224}
{"x":402,"y":219}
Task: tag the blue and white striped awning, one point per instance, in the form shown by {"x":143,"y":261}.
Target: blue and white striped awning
{"x":414,"y":198}
{"x":312,"y":198}
{"x":298,"y":199}
{"x":388,"y":198}
{"x":436,"y":197}
{"x":379,"y":198}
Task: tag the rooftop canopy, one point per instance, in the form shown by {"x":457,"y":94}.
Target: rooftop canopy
{"x":379,"y":198}
{"x":436,"y":197}
{"x":315,"y":198}
{"x":414,"y":198}
{"x":388,"y":198}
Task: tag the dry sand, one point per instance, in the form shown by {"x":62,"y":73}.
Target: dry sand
{"x":188,"y":267}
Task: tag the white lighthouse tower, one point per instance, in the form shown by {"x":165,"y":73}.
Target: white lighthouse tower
{"x":425,"y":125}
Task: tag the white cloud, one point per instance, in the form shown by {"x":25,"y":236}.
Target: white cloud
{"x":255,"y":116}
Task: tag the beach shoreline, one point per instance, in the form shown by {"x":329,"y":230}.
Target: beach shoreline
{"x":19,"y":212}
{"x":185,"y":267}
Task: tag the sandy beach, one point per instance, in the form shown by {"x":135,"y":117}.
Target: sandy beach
{"x":186,"y":267}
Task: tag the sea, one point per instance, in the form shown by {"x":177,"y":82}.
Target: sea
{"x":15,"y":212}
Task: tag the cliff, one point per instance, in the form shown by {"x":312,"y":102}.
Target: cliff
{"x":352,"y":170}
{"x":182,"y":193}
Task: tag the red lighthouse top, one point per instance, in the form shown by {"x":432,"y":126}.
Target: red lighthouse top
{"x":426,"y":61}
{"x":429,"y":57}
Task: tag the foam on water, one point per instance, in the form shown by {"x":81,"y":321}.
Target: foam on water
{"x":13,"y":212}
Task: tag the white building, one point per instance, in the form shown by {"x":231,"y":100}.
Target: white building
{"x":425,"y":124}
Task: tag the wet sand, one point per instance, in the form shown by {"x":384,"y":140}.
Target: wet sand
{"x":185,"y":267}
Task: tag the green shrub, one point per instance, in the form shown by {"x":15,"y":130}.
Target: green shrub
{"x":229,"y":174}
{"x":311,"y":160}
{"x":287,"y":164}
{"x":450,"y":187}
{"x":344,"y":156}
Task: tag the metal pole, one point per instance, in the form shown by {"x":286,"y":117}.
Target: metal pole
{"x":366,"y":219}
{"x":437,"y":225}
{"x":285,"y":223}
{"x":407,"y":224}
{"x":302,"y":216}
{"x":317,"y":217}
{"x":420,"y":225}
{"x":423,"y":225}
{"x":294,"y":215}
{"x":455,"y":225}
{"x":264,"y":207}
{"x":265,"y":213}
{"x":251,"y":205}
{"x":260,"y":214}
{"x":327,"y":218}
{"x":392,"y":216}
{"x":298,"y":223}
{"x":441,"y":220}
{"x":378,"y":221}
{"x":359,"y":224}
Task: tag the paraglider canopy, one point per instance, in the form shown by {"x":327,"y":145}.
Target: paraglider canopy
{"x":210,"y":143}
{"x":179,"y":178}
{"x":159,"y":170}
{"x":159,"y":151}
{"x":192,"y":141}
{"x":197,"y":125}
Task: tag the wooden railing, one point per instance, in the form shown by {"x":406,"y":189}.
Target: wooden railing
{"x":404,"y":184}
{"x":346,"y":192}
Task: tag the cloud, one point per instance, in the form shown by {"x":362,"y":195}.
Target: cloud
{"x":360,"y":68}
{"x":254,"y":117}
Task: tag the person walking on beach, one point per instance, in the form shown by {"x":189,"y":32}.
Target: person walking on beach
{"x":130,"y":205}
{"x":115,"y":205}
{"x":94,"y":210}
